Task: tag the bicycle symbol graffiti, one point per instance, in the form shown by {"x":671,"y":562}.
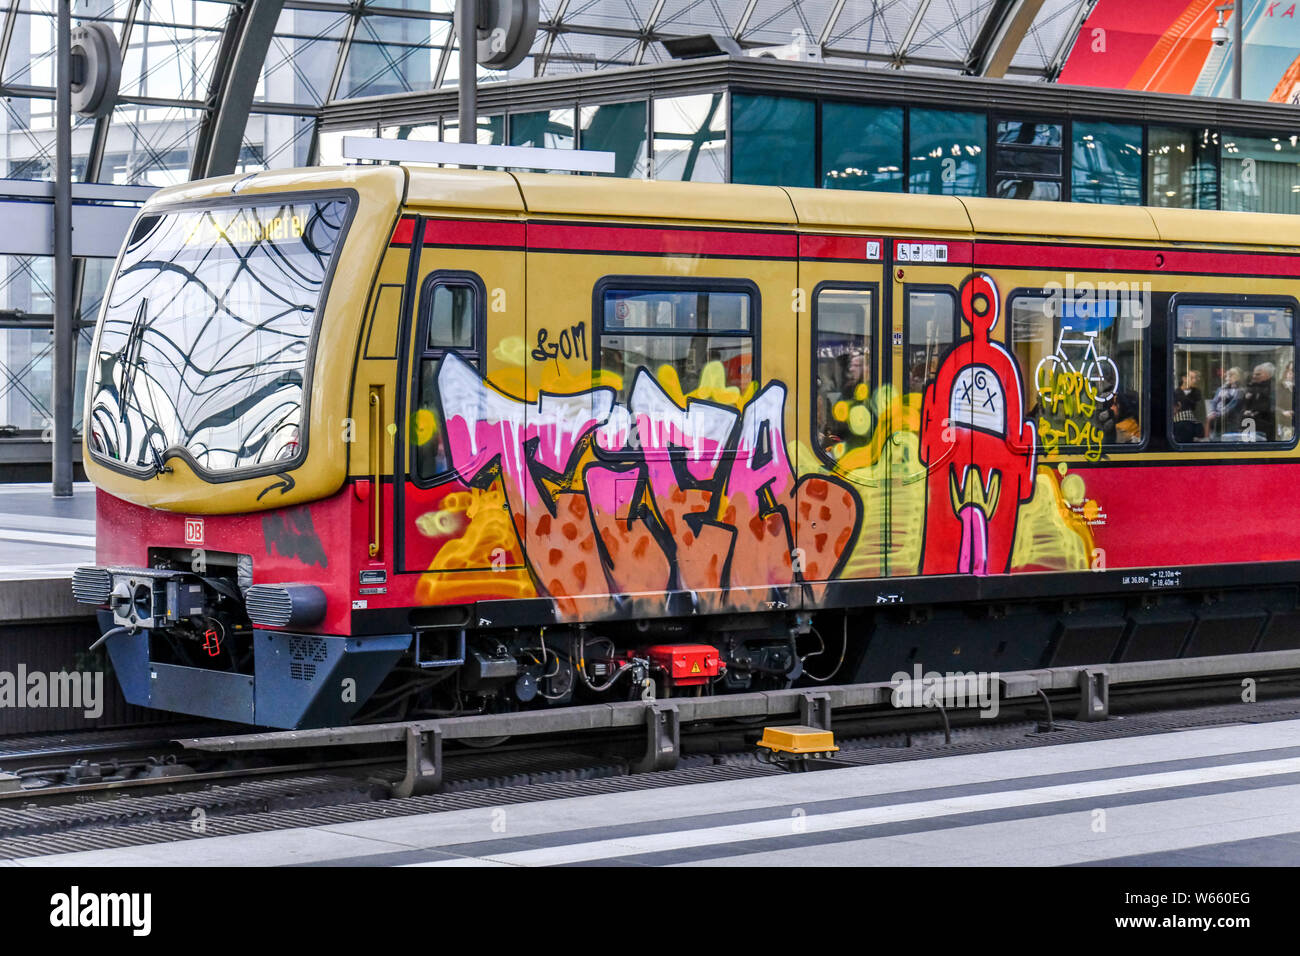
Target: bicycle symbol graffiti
{"x":1098,"y":370}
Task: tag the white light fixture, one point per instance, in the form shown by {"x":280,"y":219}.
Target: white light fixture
{"x":472,"y":154}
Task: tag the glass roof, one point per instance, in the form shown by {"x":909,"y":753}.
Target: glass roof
{"x":325,"y":50}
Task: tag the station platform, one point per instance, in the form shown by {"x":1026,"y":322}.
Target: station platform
{"x":1224,"y":795}
{"x":42,"y":536}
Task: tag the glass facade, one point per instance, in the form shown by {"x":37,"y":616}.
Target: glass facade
{"x":1106,"y":163}
{"x":544,"y":129}
{"x":862,"y":147}
{"x":1260,"y":173}
{"x":690,"y":141}
{"x":1181,"y":170}
{"x":621,"y":129}
{"x":26,"y":354}
{"x":772,"y":140}
{"x":805,"y":141}
{"x":947,"y":152}
{"x":491,"y":130}
{"x":1027,"y":160}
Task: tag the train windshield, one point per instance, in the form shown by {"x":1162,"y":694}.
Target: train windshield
{"x":205,"y":343}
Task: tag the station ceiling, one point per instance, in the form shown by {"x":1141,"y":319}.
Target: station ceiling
{"x":182,"y":61}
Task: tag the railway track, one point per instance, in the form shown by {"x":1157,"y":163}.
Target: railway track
{"x":287,"y":794}
{"x":84,"y":781}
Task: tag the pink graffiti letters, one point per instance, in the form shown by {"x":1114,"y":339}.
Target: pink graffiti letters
{"x":650,"y":496}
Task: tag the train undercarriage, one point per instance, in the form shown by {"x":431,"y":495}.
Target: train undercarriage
{"x":208,"y":643}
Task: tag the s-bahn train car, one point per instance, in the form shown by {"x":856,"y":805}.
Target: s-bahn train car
{"x":386,"y":442}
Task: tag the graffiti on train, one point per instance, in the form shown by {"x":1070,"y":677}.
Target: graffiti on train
{"x":977,"y":446}
{"x":650,"y":496}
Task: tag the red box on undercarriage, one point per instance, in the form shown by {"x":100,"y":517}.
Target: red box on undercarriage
{"x":686,"y":664}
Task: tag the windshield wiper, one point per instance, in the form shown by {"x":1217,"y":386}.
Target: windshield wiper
{"x":131,"y":359}
{"x":159,"y":466}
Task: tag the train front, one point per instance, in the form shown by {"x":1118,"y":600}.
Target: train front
{"x":218,"y":430}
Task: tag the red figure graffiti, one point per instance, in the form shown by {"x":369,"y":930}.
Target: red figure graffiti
{"x":976,"y":446}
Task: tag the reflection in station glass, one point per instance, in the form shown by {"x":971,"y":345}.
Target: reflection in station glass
{"x":862,"y":147}
{"x":618,"y":128}
{"x":946,"y":152}
{"x":1260,"y":173}
{"x":772,"y":140}
{"x":1181,"y":169}
{"x":1027,"y":160}
{"x":544,"y":129}
{"x":1106,"y":163}
{"x":491,"y":130}
{"x":329,"y":149}
{"x":690,"y":141}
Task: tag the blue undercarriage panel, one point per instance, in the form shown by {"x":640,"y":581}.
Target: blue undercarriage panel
{"x":298,"y":680}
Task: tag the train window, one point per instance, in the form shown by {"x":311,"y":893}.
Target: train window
{"x":929,"y":331}
{"x":1234,"y":373}
{"x":451,"y":310}
{"x":1083,"y":361}
{"x":843,"y":323}
{"x":698,"y":343}
{"x":451,"y":317}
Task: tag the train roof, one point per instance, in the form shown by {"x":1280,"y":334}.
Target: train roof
{"x":498,"y":193}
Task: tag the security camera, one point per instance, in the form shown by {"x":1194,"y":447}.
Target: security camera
{"x":1219,"y":35}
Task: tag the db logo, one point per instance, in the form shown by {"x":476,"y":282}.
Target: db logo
{"x":193,"y":530}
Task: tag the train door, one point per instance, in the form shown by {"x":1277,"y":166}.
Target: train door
{"x":975,"y":450}
{"x":840,"y":418}
{"x":463,"y":368}
{"x":931,"y":406}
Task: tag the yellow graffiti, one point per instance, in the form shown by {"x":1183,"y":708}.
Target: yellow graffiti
{"x":1073,"y":490}
{"x":712,"y":387}
{"x":895,"y":415}
{"x":488,"y":543}
{"x":440,"y":524}
{"x":887,"y":474}
{"x":424,"y":426}
{"x":1072,"y":435}
{"x":973,"y":492}
{"x":511,"y":350}
{"x":1069,"y":393}
{"x":890,"y":479}
{"x":1067,"y":405}
{"x":1049,"y":535}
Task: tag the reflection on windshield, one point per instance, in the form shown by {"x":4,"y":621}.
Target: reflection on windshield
{"x":205,"y":338}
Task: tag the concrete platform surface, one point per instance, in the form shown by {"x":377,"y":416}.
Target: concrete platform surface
{"x":42,"y":536}
{"x":1223,"y":795}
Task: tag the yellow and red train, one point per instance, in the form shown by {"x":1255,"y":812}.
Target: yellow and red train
{"x":385,"y":441}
